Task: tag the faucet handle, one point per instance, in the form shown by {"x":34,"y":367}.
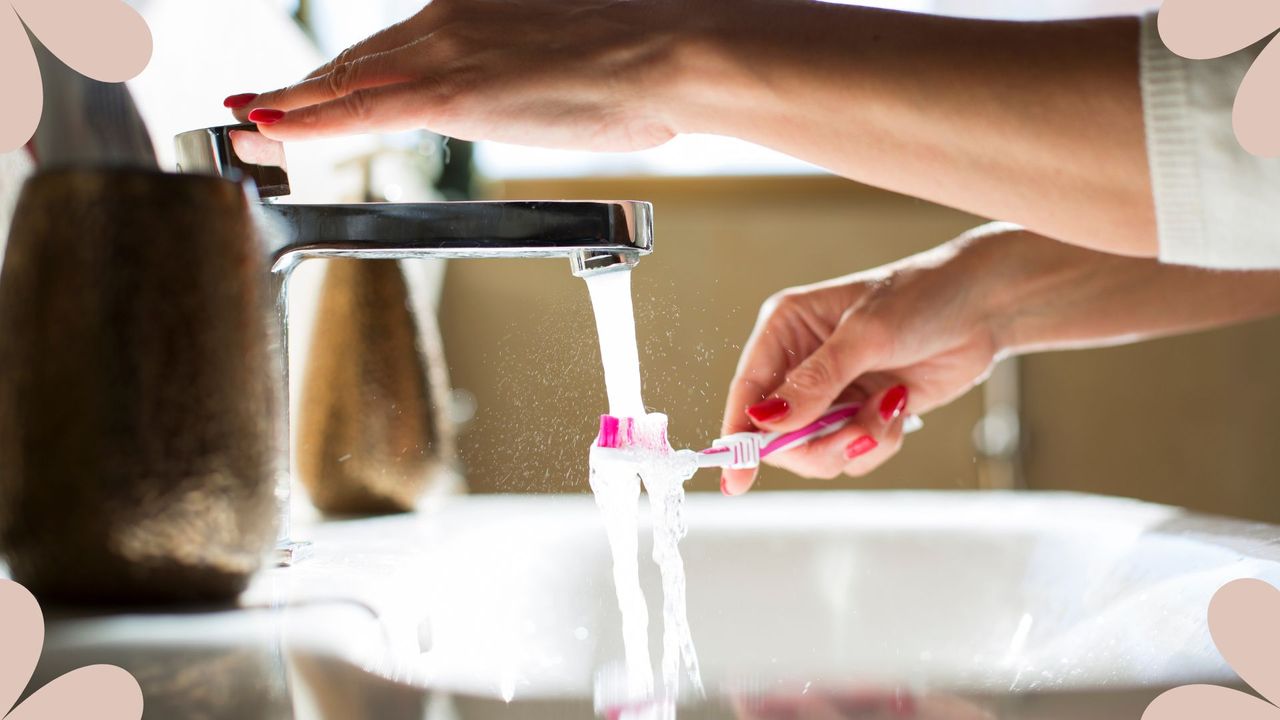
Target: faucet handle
{"x":235,"y":151}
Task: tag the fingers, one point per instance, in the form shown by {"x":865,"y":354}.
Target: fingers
{"x":887,"y":445}
{"x":378,"y":70}
{"x":813,"y":385}
{"x":874,"y":435}
{"x":826,"y":457}
{"x":395,"y":36}
{"x":737,"y":482}
{"x":389,"y":108}
{"x":337,"y":70}
{"x":743,"y":391}
{"x":763,"y":363}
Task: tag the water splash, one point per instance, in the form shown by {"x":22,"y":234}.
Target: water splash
{"x":617,"y":493}
{"x":616,"y":483}
{"x":666,"y":505}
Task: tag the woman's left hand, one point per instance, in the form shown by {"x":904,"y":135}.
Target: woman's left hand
{"x":580,"y":74}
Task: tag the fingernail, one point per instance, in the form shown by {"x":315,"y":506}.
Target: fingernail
{"x":264,"y":116}
{"x":235,"y":102}
{"x":771,"y":409}
{"x":724,"y":487}
{"x":860,"y":447}
{"x":894,"y":402}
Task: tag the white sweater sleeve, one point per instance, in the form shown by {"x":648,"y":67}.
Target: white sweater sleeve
{"x":1217,"y":206}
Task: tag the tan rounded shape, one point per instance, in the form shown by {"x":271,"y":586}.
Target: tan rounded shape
{"x":1200,"y":29}
{"x":97,"y":691}
{"x":106,"y":40}
{"x":1244,"y":620}
{"x":22,"y":627}
{"x":138,"y":426}
{"x":102,"y":39}
{"x":1206,"y":702}
{"x":22,"y":88}
{"x":1256,"y":116}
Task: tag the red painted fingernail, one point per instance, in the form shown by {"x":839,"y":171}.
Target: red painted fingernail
{"x":264,"y":116}
{"x":894,"y":402}
{"x":235,"y":102}
{"x":860,"y":447}
{"x":771,"y":409}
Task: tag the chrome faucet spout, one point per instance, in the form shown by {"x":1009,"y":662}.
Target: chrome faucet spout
{"x":593,"y":235}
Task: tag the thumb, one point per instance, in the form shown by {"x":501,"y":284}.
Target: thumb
{"x":814,"y":385}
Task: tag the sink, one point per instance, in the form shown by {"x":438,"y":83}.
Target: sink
{"x":1003,"y":605}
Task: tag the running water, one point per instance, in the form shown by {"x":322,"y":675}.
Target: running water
{"x":616,"y":328}
{"x":617,"y":486}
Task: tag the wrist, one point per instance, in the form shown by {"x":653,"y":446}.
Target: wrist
{"x":1004,"y":267}
{"x":704,"y":85}
{"x":1036,"y":288}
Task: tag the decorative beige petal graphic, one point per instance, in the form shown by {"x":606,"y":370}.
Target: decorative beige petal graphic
{"x":104,"y":692}
{"x":1209,"y":702}
{"x":1198,"y":30}
{"x":1244,"y":620}
{"x":20,"y":85}
{"x":21,"y":638}
{"x":1256,"y":117}
{"x":102,"y":39}
{"x":97,"y":691}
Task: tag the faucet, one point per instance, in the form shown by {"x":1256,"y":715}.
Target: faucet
{"x":597,"y":237}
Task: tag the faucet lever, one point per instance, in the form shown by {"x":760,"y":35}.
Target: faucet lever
{"x":235,"y":152}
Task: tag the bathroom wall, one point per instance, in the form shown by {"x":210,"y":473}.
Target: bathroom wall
{"x":1187,"y":420}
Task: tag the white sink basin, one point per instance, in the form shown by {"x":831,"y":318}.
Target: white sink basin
{"x":1021,"y":604}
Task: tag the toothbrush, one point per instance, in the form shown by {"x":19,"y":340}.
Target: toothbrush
{"x":746,"y":449}
{"x":738,"y":451}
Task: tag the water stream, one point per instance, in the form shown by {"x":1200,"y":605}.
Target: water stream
{"x":617,"y":488}
{"x":616,"y":328}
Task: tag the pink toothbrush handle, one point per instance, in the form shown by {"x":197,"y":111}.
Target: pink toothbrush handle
{"x":834,"y":419}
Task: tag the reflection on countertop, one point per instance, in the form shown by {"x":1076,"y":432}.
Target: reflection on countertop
{"x":850,"y":604}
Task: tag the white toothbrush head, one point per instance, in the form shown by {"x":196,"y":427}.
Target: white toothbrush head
{"x":637,"y":442}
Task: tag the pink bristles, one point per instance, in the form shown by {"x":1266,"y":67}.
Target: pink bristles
{"x":609,"y":436}
{"x":618,"y":433}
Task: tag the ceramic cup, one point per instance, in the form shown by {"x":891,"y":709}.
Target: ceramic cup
{"x":140,"y":439}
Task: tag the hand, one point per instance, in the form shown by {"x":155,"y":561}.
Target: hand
{"x":583,"y":74}
{"x":911,"y":336}
{"x":906,"y":337}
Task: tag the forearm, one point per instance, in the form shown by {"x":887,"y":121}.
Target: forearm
{"x":1036,"y":123}
{"x":1044,"y":295}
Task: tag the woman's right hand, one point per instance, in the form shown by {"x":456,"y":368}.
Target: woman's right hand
{"x":934,"y":324}
{"x":903,"y":338}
